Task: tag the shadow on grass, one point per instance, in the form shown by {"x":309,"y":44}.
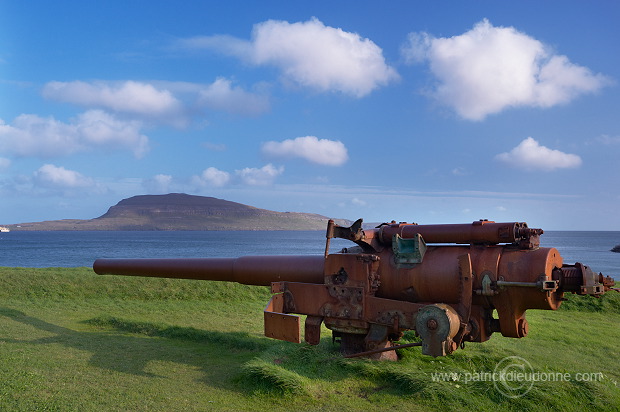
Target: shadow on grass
{"x":235,"y":340}
{"x":267,"y":371}
{"x":131,"y":354}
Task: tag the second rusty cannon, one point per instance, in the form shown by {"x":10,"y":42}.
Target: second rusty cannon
{"x":442,"y":281}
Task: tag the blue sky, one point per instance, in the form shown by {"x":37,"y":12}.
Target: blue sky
{"x":433,"y":112}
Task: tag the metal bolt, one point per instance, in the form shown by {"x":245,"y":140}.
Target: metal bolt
{"x":431,"y":324}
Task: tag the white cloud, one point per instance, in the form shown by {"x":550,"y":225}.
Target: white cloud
{"x":126,"y":97}
{"x":489,"y":69}
{"x":160,"y":102}
{"x":159,"y":183}
{"x":259,"y":177}
{"x":530,"y":155}
{"x":212,"y":177}
{"x":310,"y":54}
{"x":321,"y":151}
{"x":221,"y":95}
{"x":102,"y":129}
{"x":31,"y":135}
{"x":57,"y":177}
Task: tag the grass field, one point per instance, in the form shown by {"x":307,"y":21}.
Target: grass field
{"x":72,"y":340}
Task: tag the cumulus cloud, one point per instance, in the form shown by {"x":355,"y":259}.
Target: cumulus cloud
{"x":57,"y":177}
{"x":489,"y":69}
{"x":212,"y":177}
{"x":159,"y":183}
{"x":309,"y":54}
{"x":223,"y":96}
{"x":164,"y":102}
{"x":530,"y":155}
{"x":31,"y":135}
{"x":124,"y":97}
{"x":321,"y":151}
{"x":259,"y":177}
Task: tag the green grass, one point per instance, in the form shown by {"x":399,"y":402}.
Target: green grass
{"x":72,"y":340}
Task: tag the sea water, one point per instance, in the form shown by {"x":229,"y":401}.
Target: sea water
{"x":81,"y":248}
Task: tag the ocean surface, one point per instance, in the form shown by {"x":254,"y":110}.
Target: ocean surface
{"x":76,"y":248}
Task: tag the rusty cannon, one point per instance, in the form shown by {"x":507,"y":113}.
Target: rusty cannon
{"x":445,"y":282}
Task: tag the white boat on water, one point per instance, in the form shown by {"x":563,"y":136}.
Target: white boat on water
{"x":4,"y":229}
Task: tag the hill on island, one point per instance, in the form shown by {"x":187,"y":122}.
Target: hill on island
{"x":178,"y":211}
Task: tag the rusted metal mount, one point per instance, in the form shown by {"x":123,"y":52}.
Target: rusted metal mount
{"x":437,"y":325}
{"x":346,"y":304}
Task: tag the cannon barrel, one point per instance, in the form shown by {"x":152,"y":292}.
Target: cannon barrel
{"x":249,"y":270}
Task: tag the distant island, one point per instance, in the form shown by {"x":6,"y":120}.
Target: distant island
{"x":179,"y":211}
